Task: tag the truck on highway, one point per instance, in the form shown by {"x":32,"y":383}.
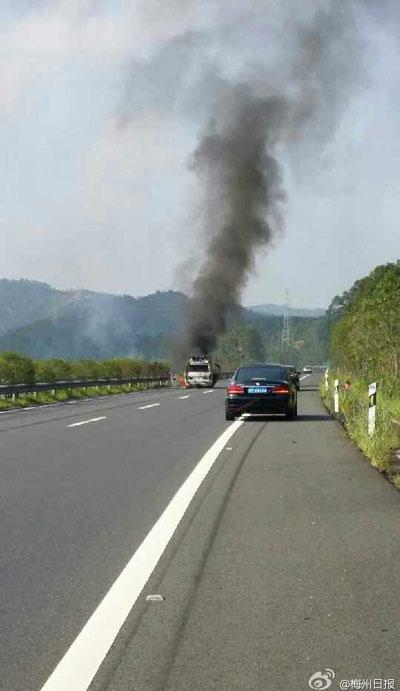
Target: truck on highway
{"x":200,"y":370}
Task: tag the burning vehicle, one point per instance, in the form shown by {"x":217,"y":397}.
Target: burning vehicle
{"x":201,"y":371}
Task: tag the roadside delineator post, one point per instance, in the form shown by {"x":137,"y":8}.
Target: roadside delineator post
{"x":371,"y":409}
{"x":327,"y":379}
{"x":336,"y":397}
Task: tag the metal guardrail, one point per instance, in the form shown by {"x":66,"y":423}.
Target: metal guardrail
{"x":17,"y":389}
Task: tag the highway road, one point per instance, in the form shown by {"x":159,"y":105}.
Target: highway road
{"x":286,"y":561}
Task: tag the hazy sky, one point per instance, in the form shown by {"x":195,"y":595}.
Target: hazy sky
{"x":101,"y":105}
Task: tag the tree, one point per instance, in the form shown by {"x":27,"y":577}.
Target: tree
{"x":365,"y":341}
{"x":16,"y":369}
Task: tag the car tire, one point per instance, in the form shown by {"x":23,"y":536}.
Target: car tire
{"x":290,"y":413}
{"x":229,"y":416}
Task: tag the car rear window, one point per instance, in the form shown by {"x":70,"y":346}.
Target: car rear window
{"x":267,"y":373}
{"x":198,"y":368}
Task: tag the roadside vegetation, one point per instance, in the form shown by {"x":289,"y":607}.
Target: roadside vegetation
{"x":365,"y":348}
{"x":19,"y":369}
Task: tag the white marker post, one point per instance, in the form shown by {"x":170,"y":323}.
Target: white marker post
{"x":336,"y":396}
{"x":372,"y":409}
{"x":327,"y":379}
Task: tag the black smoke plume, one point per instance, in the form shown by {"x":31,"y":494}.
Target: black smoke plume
{"x":235,"y":161}
{"x":271,"y":80}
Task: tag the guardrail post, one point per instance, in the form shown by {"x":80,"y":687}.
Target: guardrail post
{"x":336,"y":397}
{"x":371,"y":409}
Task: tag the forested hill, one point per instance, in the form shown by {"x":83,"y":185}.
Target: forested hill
{"x":271,"y":309}
{"x":365,"y":339}
{"x":42,"y":322}
{"x":39,"y":321}
{"x":23,"y":302}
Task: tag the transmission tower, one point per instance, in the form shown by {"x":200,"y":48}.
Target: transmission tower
{"x":286,"y":321}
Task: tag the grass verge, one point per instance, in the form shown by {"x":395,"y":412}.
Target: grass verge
{"x":353,"y":405}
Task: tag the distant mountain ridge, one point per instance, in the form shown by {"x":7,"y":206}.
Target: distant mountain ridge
{"x":278,"y":310}
{"x":43,"y":322}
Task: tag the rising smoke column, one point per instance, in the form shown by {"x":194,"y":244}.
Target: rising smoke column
{"x":271,"y":80}
{"x":235,"y":162}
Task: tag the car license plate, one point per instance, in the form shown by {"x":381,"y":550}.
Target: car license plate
{"x":257,"y":389}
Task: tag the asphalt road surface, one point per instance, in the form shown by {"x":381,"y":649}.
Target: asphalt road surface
{"x":286,"y":562}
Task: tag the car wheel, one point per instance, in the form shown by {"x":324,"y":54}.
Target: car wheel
{"x":290,"y":413}
{"x":229,"y":416}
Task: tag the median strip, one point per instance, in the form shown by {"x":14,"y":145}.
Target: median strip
{"x":86,"y":422}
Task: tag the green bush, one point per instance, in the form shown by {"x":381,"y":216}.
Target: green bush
{"x":16,"y":369}
{"x":365,"y":340}
{"x":353,"y":405}
{"x":52,"y":370}
{"x":110,"y":369}
{"x":86,"y":369}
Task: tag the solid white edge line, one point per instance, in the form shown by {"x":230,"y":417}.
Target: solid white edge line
{"x":86,"y":422}
{"x":82,"y":660}
{"x":144,"y":407}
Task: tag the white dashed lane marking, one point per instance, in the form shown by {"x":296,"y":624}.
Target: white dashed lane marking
{"x":86,"y":422}
{"x":144,"y":407}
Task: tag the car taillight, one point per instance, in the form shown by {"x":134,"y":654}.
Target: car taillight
{"x":235,"y":388}
{"x":280,"y":388}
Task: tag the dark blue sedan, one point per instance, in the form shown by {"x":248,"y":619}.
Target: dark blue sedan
{"x":262,"y":389}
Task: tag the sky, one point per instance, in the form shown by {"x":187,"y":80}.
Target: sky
{"x":102,"y":103}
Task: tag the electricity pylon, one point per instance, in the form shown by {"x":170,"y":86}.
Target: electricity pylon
{"x":286,"y":321}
